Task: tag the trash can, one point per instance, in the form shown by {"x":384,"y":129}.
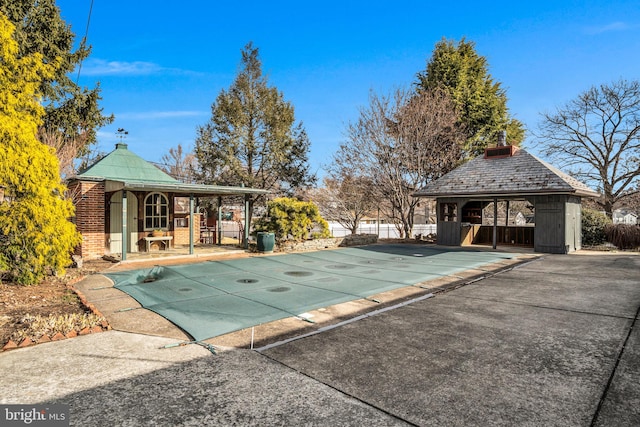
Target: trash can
{"x":266,"y":241}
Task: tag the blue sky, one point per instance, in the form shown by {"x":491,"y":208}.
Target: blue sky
{"x":162,"y":64}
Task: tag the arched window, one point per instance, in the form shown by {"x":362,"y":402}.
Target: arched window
{"x":156,"y":211}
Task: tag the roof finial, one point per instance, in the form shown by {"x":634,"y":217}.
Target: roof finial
{"x":122,"y":134}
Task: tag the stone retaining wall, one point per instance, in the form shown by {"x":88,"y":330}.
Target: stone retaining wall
{"x":334,"y":242}
{"x":359,"y":240}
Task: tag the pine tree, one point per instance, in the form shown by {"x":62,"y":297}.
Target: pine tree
{"x":481,"y":102}
{"x":36,"y":236}
{"x":71,"y":113}
{"x":252,"y":138}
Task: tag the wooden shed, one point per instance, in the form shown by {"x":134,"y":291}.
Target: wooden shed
{"x":506,"y":174}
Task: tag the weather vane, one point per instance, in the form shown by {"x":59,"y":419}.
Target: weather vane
{"x":122,"y":134}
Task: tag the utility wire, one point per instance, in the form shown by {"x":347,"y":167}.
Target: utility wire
{"x":84,"y":40}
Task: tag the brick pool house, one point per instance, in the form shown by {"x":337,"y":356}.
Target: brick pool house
{"x":125,"y":204}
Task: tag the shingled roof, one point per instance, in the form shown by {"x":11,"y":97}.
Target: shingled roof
{"x":519,"y":173}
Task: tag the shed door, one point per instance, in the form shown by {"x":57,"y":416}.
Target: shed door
{"x":549,"y":231}
{"x":115,"y":232}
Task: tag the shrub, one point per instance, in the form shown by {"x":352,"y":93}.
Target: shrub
{"x":36,"y":237}
{"x":593,"y":225}
{"x":292,"y":218}
{"x":623,"y":236}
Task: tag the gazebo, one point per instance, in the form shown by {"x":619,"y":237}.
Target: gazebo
{"x":124,"y":204}
{"x":506,"y":174}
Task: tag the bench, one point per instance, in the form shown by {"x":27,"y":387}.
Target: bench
{"x":165,"y":240}
{"x":207,"y":235}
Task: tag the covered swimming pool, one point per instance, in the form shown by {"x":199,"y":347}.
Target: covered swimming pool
{"x":213,"y":298}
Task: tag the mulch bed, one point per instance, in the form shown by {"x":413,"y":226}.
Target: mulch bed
{"x":55,"y":296}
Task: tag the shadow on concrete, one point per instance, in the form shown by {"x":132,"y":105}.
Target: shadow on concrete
{"x":553,"y":342}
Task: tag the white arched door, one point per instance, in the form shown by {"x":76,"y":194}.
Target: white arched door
{"x":115,"y":221}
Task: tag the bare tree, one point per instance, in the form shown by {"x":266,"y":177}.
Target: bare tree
{"x":179,"y":164}
{"x":66,"y":150}
{"x":597,"y":138}
{"x":346,"y":198}
{"x":402,"y":142}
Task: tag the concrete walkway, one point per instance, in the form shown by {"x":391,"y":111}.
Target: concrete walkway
{"x":552,"y":342}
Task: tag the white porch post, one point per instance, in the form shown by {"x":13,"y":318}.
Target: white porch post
{"x":191,"y":216}
{"x":124,"y":225}
{"x":219,"y":224}
{"x":246,"y":221}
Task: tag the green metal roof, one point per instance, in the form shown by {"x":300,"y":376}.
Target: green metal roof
{"x":123,"y":165}
{"x":123,"y":170}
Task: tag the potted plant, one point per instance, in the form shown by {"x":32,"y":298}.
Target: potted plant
{"x":157,"y":233}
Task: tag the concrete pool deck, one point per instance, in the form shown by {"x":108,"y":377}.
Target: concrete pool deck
{"x":554,"y":341}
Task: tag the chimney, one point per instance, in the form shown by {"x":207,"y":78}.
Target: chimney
{"x":502,"y":138}
{"x":501,"y":149}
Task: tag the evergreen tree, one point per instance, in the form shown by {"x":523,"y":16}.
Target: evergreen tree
{"x":35,"y":235}
{"x":71,"y":112}
{"x":252,"y":138}
{"x":481,"y":102}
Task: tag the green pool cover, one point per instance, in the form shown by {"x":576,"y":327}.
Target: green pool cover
{"x":216,"y":297}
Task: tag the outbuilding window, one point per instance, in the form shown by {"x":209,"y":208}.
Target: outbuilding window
{"x":156,"y":211}
{"x":449,"y":212}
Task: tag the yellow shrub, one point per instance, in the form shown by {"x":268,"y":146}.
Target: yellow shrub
{"x":36,"y":236}
{"x":290,"y":218}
